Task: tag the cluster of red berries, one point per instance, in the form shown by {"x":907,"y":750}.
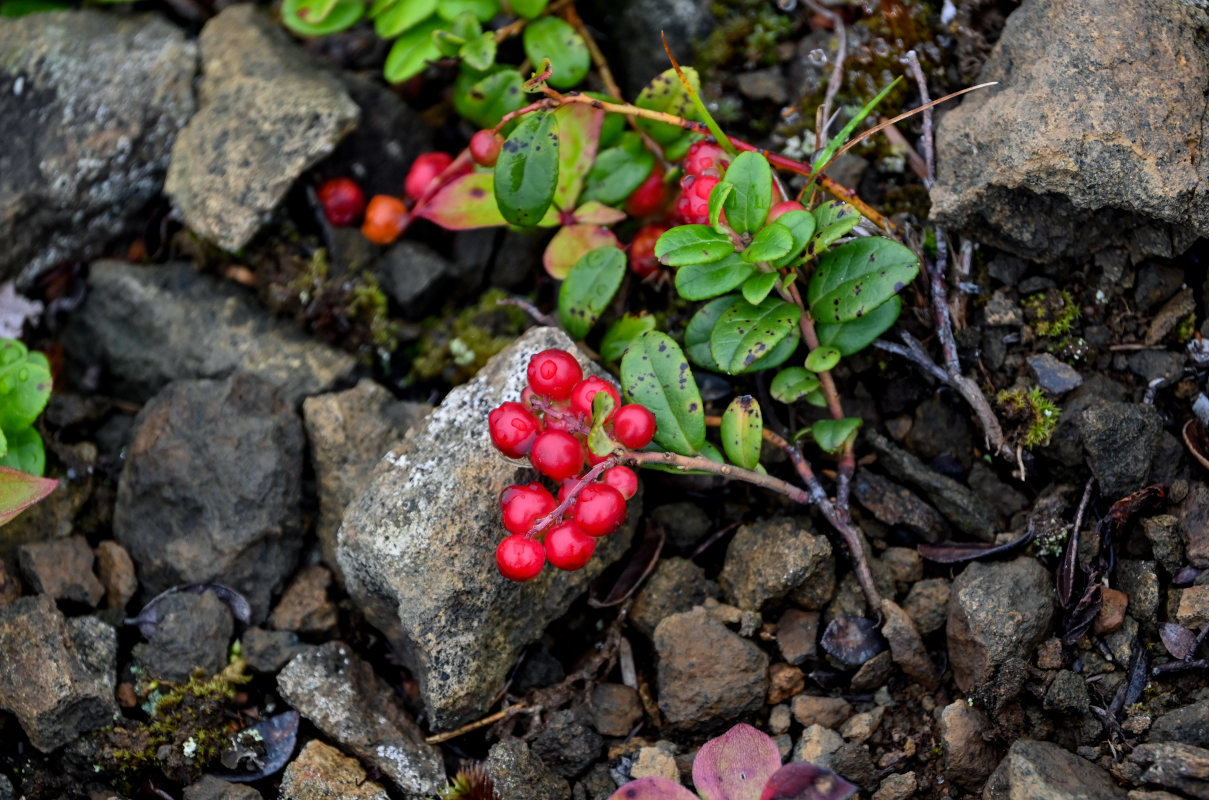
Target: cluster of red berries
{"x":550,"y":425}
{"x":704,"y":165}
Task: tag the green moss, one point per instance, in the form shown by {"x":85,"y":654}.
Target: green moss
{"x":1035,"y":416}
{"x":1052,"y":313}
{"x":453,"y":350}
{"x":1186,"y":328}
{"x":747,"y":29}
{"x":367,"y":302}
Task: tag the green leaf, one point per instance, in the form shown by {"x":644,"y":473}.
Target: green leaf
{"x":666,"y":93}
{"x":700,"y":326}
{"x":821,"y":359}
{"x":692,"y":244}
{"x":589,"y":288}
{"x":859,"y":276}
{"x":527,"y":171}
{"x":852,"y":337}
{"x":19,"y":490}
{"x":552,"y":38}
{"x":25,"y":385}
{"x":599,"y":441}
{"x":717,"y":199}
{"x":625,"y":330}
{"x":800,"y":225}
{"x":466,"y":202}
{"x":834,"y":220}
{"x":485,"y":99}
{"x":320,"y":19}
{"x":483,"y":10}
{"x":743,"y":431}
{"x":404,"y":16}
{"x":619,"y":170}
{"x":831,"y":434}
{"x":816,"y":398}
{"x":479,"y":53}
{"x":655,"y":373}
{"x":578,"y":132}
{"x":745,"y":332}
{"x":528,"y":8}
{"x":411,"y":52}
{"x":703,"y":281}
{"x":793,"y":383}
{"x":571,"y":243}
{"x":11,"y":9}
{"x":772,"y":242}
{"x":748,"y":204}
{"x":758,"y":286}
{"x":837,"y":141}
{"x":25,"y":452}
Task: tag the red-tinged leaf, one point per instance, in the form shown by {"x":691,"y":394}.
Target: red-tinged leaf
{"x":652,"y":789}
{"x":597,"y":213}
{"x":20,"y":490}
{"x":571,"y":244}
{"x":578,"y":136}
{"x":852,"y":640}
{"x":959,"y":552}
{"x":804,"y":781}
{"x":464,"y":203}
{"x":1178,"y":640}
{"x":736,"y":765}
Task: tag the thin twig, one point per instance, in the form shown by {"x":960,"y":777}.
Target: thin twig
{"x":490,"y":719}
{"x":826,"y":382}
{"x":688,"y":463}
{"x":1083,"y":505}
{"x":530,"y":309}
{"x":929,"y":158}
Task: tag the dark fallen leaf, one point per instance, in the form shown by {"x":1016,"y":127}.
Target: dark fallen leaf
{"x":1068,"y":570}
{"x":1121,"y":513}
{"x":1079,"y":619}
{"x":260,"y":750}
{"x":640,"y":565}
{"x":960,"y":552}
{"x":1178,"y":640}
{"x":1196,"y":441}
{"x":804,"y":781}
{"x":148,"y":618}
{"x":1137,"y":673}
{"x":852,"y":640}
{"x":1186,"y":576}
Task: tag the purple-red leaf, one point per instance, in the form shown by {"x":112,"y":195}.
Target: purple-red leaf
{"x":852,"y":640}
{"x":571,"y":244}
{"x":1178,"y":640}
{"x":20,"y":490}
{"x":736,"y":765}
{"x":959,"y":552}
{"x":652,"y":789}
{"x":804,"y":781}
{"x":1080,"y":618}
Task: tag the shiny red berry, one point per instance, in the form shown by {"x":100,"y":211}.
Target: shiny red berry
{"x":706,"y":158}
{"x":600,"y":510}
{"x":693,"y":203}
{"x":424,"y":170}
{"x":783,"y":208}
{"x":634,"y":426}
{"x":623,"y":480}
{"x":485,"y":148}
{"x":513,"y":429}
{"x":557,"y":455}
{"x":385,"y":219}
{"x":522,"y":505}
{"x":650,"y":197}
{"x":520,"y":558}
{"x":568,"y":547}
{"x":642,"y":250}
{"x":585,"y":392}
{"x":554,"y":373}
{"x":342,"y":200}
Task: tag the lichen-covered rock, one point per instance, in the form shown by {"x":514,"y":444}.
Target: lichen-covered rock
{"x":520,"y":775}
{"x":417,"y":547}
{"x":321,"y":772}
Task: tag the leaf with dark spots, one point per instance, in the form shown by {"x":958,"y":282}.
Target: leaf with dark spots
{"x":260,"y":750}
{"x":852,"y":640}
{"x":739,"y":337}
{"x":525,"y":182}
{"x":590,"y":286}
{"x":960,"y":552}
{"x":654,"y":372}
{"x":148,"y":618}
{"x":844,"y":284}
{"x":802,"y":780}
{"x":463,"y":204}
{"x":1178,"y":640}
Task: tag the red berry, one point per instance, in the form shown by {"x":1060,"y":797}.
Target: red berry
{"x":485,"y":148}
{"x":554,"y":373}
{"x":650,"y":197}
{"x":600,"y":510}
{"x":564,"y":488}
{"x":513,"y":429}
{"x":642,"y":250}
{"x":557,"y":455}
{"x":706,"y":158}
{"x":565,"y":421}
{"x":783,"y":208}
{"x":520,"y":558}
{"x":343,"y":201}
{"x":693,"y":203}
{"x":584,"y":392}
{"x":634,"y":426}
{"x":568,"y":547}
{"x":623,"y":480}
{"x":385,"y":219}
{"x":522,"y":505}
{"x":424,"y":170}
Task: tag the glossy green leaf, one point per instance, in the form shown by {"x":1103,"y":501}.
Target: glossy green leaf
{"x":526,"y":173}
{"x":25,"y":385}
{"x":411,"y":52}
{"x":553,"y":38}
{"x":700,"y":326}
{"x":618,"y":171}
{"x":666,"y":93}
{"x":25,"y":452}
{"x":854,"y":336}
{"x":692,"y":244}
{"x":831,"y":434}
{"x":748,"y":204}
{"x":833,"y":221}
{"x":625,"y":330}
{"x":772,"y":242}
{"x":758,"y":286}
{"x":857,"y":277}
{"x":816,"y":398}
{"x":598,"y":213}
{"x":320,"y":19}
{"x":717,"y":199}
{"x":578,"y":132}
{"x":483,"y":10}
{"x":11,"y":9}
{"x":571,"y":243}
{"x":484,"y":98}
{"x":19,"y":490}
{"x":822,"y":359}
{"x":745,"y":332}
{"x":800,"y":225}
{"x":743,"y":431}
{"x":479,"y":53}
{"x":599,"y":441}
{"x":404,"y":16}
{"x":655,"y":373}
{"x":465,"y":202}
{"x":793,"y":383}
{"x":825,"y":155}
{"x":528,"y":8}
{"x":703,"y":281}
{"x":589,"y":288}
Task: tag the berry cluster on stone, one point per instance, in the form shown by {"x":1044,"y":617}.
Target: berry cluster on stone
{"x":550,"y":425}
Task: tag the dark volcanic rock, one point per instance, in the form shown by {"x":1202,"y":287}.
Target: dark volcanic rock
{"x":211,"y":487}
{"x":1174,"y":765}
{"x":1044,"y":771}
{"x":520,"y":775}
{"x":193,"y":631}
{"x":676,"y":585}
{"x":1120,"y":439}
{"x":768,"y":560}
{"x":61,"y":568}
{"x":568,"y":744}
{"x":1189,"y":725}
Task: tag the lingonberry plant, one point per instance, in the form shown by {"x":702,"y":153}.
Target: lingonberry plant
{"x":24,"y":391}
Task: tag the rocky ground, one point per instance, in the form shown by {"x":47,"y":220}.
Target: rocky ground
{"x":268,"y":569}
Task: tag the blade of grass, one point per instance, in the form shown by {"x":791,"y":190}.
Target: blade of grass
{"x":715,"y":130}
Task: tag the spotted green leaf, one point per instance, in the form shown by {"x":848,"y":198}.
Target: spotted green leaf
{"x":25,"y":385}
{"x":625,"y":330}
{"x":703,"y":281}
{"x":743,"y":431}
{"x":25,"y":451}
{"x":666,"y":93}
{"x":793,"y":383}
{"x":854,"y":279}
{"x":465,"y":202}
{"x":571,"y":243}
{"x":800,"y":225}
{"x":854,"y":336}
{"x":692,"y":244}
{"x":655,"y":373}
{"x":748,"y":203}
{"x":479,"y":52}
{"x":701,"y":327}
{"x":553,"y":38}
{"x":833,"y":220}
{"x":822,"y":359}
{"x":484,"y":98}
{"x":619,"y":170}
{"x":589,"y":288}
{"x":831,"y":434}
{"x":526,"y":173}
{"x":745,"y":332}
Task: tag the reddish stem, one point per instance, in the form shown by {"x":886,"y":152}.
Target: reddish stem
{"x":554,"y":516}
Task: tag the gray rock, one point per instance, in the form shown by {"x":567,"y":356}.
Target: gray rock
{"x":896,"y":786}
{"x":1045,"y":771}
{"x":201,"y":328}
{"x":763,"y":84}
{"x":685,"y":524}
{"x":61,"y":568}
{"x":193,"y":632}
{"x":1163,"y":533}
{"x":269,"y":651}
{"x":941,"y":428}
{"x":1174,"y":765}
{"x":998,"y":611}
{"x":211,"y":488}
{"x":596,"y":785}
{"x":568,"y":743}
{"x":967,"y":757}
{"x":304,"y":607}
{"x":520,"y":775}
{"x":707,"y":674}
{"x":211,"y":788}
{"x":265,"y":115}
{"x":45,"y":679}
{"x":417,"y":548}
{"x":615,"y":708}
{"x":348,"y":432}
{"x":1188,"y":724}
{"x":1138,"y":580}
{"x":1067,"y":694}
{"x":817,"y":745}
{"x":927,"y":604}
{"x":1193,"y":515}
{"x":91,"y":104}
{"x":906,"y":648}
{"x":321,"y":772}
{"x":339,"y":694}
{"x":416,"y":277}
{"x":1151,"y":365}
{"x":1052,"y":163}
{"x":768,"y":560}
{"x":1120,"y":440}
{"x":892,"y":504}
{"x":1054,"y":376}
{"x":798,"y":635}
{"x":636,"y":24}
{"x":830,"y":712}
